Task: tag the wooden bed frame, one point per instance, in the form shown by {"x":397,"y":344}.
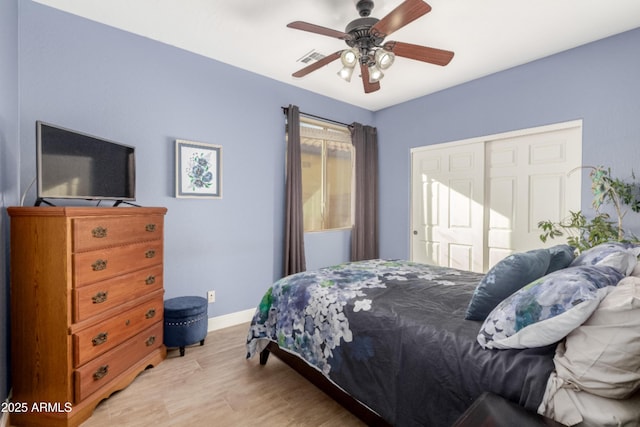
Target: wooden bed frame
{"x":351,"y":404}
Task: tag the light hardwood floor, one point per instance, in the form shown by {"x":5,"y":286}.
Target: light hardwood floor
{"x":214,"y":385}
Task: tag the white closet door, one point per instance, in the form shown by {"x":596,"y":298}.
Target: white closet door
{"x":530,"y":180}
{"x":448,"y":198}
{"x":476,"y":201}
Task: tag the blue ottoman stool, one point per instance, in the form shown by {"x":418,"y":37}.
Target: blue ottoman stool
{"x":185,"y":321}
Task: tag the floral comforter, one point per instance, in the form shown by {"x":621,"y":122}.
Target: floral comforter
{"x":393,"y":335}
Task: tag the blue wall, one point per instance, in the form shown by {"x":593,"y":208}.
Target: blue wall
{"x":126,"y":88}
{"x":9,"y":147}
{"x":598,"y":83}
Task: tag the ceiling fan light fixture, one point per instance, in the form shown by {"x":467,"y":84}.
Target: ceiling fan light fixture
{"x":384,"y":58}
{"x":349,"y":57}
{"x":375,"y":74}
{"x":367,"y":49}
{"x":345,"y":73}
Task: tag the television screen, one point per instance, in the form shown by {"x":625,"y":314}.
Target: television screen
{"x":73,"y":165}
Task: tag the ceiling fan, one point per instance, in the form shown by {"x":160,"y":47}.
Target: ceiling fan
{"x":365,"y":38}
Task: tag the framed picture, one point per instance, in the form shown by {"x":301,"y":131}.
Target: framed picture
{"x":198,"y":170}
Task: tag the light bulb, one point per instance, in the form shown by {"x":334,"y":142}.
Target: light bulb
{"x":384,"y":59}
{"x":349,"y":57}
{"x":346,"y":73}
{"x":375,"y":74}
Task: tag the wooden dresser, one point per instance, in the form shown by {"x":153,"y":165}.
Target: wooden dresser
{"x":86,"y":307}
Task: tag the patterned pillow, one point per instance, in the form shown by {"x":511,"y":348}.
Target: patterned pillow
{"x":506,"y":277}
{"x":546,"y":310}
{"x":621,"y":256}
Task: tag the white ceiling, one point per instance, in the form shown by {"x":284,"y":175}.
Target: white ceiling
{"x":487,"y":36}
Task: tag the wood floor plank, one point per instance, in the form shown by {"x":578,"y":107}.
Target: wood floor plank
{"x":215,"y":385}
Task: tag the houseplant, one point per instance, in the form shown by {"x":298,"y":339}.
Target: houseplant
{"x":584,"y":233}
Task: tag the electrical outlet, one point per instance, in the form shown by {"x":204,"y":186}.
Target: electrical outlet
{"x":211,"y":296}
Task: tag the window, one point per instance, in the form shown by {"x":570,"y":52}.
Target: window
{"x":327,"y":175}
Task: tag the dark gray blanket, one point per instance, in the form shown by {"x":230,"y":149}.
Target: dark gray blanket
{"x":393,"y":335}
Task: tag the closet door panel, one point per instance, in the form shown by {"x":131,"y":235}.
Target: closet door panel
{"x":475,"y":202}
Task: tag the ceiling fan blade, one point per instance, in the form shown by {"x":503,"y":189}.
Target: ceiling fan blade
{"x":368,"y":86}
{"x":319,"y":64}
{"x":420,"y":53}
{"x":317,"y":29}
{"x":407,"y":12}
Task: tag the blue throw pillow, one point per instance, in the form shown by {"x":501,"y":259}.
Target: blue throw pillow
{"x":561,"y":257}
{"x":548,"y":309}
{"x":506,"y":277}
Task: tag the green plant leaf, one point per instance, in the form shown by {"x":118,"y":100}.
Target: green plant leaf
{"x":584,"y":233}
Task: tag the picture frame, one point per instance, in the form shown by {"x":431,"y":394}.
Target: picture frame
{"x":198,"y":170}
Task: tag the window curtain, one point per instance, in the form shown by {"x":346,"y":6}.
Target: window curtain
{"x":364,"y":234}
{"x":294,"y":259}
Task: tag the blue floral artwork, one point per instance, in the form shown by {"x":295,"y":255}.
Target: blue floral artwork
{"x":199,"y":172}
{"x":197,"y":169}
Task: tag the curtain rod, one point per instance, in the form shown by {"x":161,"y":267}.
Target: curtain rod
{"x":286,"y":109}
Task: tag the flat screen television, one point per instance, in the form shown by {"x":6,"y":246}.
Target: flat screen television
{"x":74,"y":165}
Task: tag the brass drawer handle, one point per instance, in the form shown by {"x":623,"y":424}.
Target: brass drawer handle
{"x":101,"y":372}
{"x":150,"y":280}
{"x":149,"y":342}
{"x":150,"y":228}
{"x":99,"y":232}
{"x":149,"y":314}
{"x":101,"y":338}
{"x":99,"y":265}
{"x":150,"y":253}
{"x":100,"y":297}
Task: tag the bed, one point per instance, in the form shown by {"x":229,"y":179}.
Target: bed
{"x":394,"y":341}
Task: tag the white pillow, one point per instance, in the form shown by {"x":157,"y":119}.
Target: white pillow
{"x":602,"y":356}
{"x":578,"y":408}
{"x":636,"y":271}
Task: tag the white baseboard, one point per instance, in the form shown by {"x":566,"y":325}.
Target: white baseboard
{"x":227,"y":320}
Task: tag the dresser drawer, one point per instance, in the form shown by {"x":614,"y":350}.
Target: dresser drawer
{"x":94,"y":232}
{"x":100,"y":371}
{"x":97,"y":298}
{"x":98,"y":339}
{"x":90,"y":267}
